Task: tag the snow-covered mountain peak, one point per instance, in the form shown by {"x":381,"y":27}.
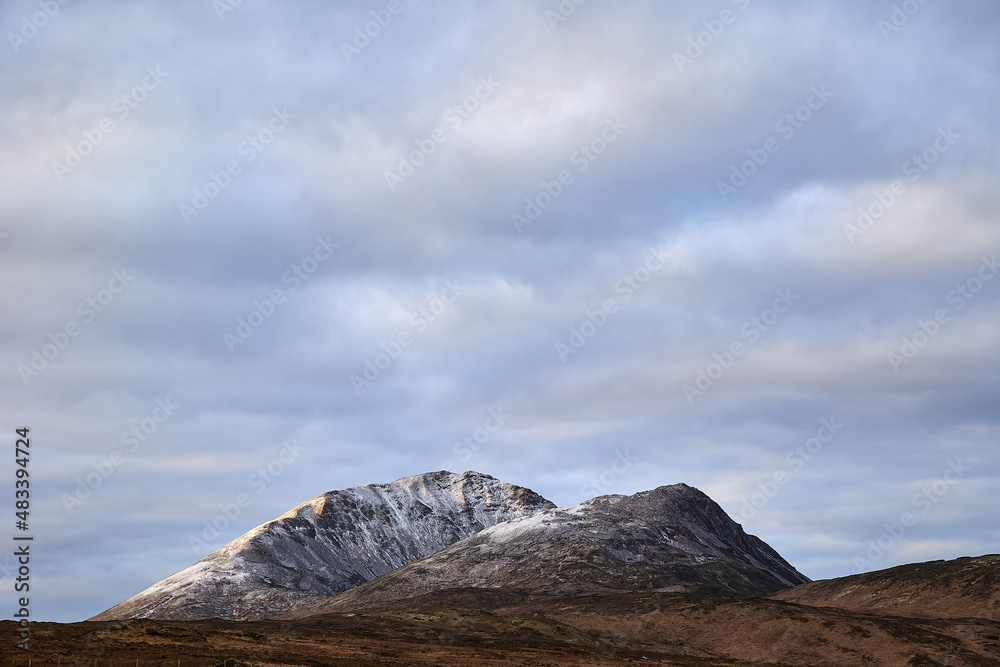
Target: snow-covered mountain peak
{"x":331,"y":543}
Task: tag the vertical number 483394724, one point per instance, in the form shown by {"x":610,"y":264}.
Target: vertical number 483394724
{"x":22,"y":494}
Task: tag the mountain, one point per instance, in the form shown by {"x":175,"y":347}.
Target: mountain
{"x":330,"y":544}
{"x":962,"y":588}
{"x":671,"y":539}
{"x":464,"y":569}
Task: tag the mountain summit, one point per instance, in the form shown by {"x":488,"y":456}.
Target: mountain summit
{"x":329,"y":544}
{"x":671,"y":539}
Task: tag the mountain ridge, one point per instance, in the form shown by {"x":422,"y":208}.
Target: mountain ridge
{"x":673,"y":538}
{"x":960,"y":588}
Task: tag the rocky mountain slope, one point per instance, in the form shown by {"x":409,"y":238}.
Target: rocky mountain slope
{"x":962,"y":588}
{"x":674,"y":538}
{"x":330,"y":544}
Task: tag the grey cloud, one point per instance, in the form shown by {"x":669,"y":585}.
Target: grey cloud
{"x":323,"y":176}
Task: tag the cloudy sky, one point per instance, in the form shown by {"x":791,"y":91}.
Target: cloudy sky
{"x":255,"y":251}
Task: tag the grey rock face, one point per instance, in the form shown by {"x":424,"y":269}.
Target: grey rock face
{"x":674,"y":538}
{"x":330,"y":544}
